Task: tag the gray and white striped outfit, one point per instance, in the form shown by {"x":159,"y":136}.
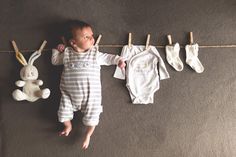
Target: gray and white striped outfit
{"x":80,"y":83}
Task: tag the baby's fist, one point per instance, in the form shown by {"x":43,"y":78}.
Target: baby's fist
{"x":121,"y":64}
{"x":61,"y":47}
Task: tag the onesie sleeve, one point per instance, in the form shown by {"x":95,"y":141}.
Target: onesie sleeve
{"x":57,"y":57}
{"x":162,"y":68}
{"x":107,"y":59}
{"x":120,"y":73}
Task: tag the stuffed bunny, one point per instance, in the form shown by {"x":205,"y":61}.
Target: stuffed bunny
{"x":29,"y":74}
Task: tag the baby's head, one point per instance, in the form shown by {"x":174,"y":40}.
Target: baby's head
{"x":81,"y":35}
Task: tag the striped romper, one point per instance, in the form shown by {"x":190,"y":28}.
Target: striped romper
{"x":80,"y":83}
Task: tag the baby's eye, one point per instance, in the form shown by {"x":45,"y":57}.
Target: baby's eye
{"x":86,"y":37}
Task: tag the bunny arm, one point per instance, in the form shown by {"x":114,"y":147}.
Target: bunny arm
{"x":38,"y":82}
{"x":20,"y":83}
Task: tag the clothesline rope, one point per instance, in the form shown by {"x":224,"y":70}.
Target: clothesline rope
{"x":120,"y":46}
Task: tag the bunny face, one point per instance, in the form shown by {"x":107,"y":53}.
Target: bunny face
{"x":29,"y":72}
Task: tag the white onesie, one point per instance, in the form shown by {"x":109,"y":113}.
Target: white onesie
{"x":142,"y":76}
{"x":80,"y":83}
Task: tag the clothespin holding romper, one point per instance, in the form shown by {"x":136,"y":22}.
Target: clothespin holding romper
{"x":64,"y":40}
{"x":147,"y":42}
{"x":191,"y":38}
{"x":169,"y":39}
{"x":130,"y":40}
{"x":98,"y":40}
{"x":19,"y":55}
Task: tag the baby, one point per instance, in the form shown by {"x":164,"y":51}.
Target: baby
{"x":80,"y":81}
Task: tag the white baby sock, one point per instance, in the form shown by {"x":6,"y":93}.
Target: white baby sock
{"x":192,"y":58}
{"x":172,"y":56}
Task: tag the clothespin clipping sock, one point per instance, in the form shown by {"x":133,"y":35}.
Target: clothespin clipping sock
{"x":169,"y":39}
{"x":192,"y":56}
{"x":147,"y":42}
{"x":172,"y":55}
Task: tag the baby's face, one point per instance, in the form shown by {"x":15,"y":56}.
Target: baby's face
{"x":83,"y":38}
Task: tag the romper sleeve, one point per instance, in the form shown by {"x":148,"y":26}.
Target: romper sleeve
{"x":107,"y":59}
{"x":57,"y":57}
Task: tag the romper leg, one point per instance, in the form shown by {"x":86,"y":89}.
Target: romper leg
{"x":65,"y":111}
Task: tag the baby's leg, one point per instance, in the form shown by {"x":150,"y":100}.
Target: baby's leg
{"x":65,"y":114}
{"x":90,"y":120}
{"x":67,"y":128}
{"x":89,"y":132}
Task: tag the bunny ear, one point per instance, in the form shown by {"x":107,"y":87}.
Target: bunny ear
{"x":36,"y":54}
{"x":33,"y":57}
{"x":21,"y":58}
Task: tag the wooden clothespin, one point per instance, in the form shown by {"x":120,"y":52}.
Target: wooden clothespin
{"x":19,"y":55}
{"x":64,"y":40}
{"x":42,"y":46}
{"x":98,"y":40}
{"x":191,"y":37}
{"x":130,"y":40}
{"x":148,"y":40}
{"x":169,"y":39}
{"x":14,"y":46}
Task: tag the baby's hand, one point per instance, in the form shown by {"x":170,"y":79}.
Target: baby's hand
{"x":121,"y":64}
{"x":61,"y":47}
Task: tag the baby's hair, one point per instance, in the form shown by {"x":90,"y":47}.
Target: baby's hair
{"x":75,"y":25}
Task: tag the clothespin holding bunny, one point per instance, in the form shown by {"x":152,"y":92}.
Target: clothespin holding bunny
{"x":29,"y":74}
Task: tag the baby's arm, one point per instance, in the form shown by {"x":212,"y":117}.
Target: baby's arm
{"x":109,"y":59}
{"x":58,"y":55}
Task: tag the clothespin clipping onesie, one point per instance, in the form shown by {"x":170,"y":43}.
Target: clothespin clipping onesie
{"x":192,"y":56}
{"x":147,"y":42}
{"x":130,"y":40}
{"x":29,"y":74}
{"x":172,"y":55}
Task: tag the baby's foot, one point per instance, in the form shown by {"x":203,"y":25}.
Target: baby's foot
{"x":86,"y":142}
{"x":66,"y":131}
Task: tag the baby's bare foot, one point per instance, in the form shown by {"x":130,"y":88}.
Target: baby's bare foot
{"x":66,"y":131}
{"x":86,"y":142}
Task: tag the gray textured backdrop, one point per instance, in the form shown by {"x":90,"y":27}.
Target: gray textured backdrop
{"x":193,"y":114}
